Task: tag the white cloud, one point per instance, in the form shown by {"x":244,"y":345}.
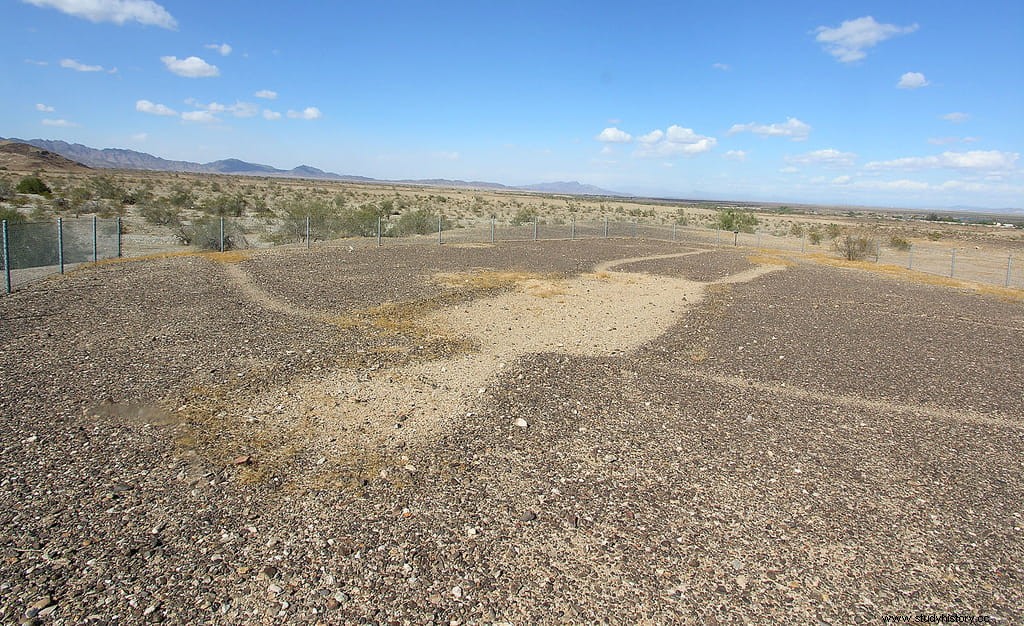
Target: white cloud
{"x":140,"y":137}
{"x":606,"y":150}
{"x":198,"y":116}
{"x":238,"y":109}
{"x":72,"y":64}
{"x":736,"y":155}
{"x":792,"y":128}
{"x":35,"y":62}
{"x":829,"y":157}
{"x":675,"y":141}
{"x":271,"y":115}
{"x":192,"y":67}
{"x":309,"y":113}
{"x":956,"y":117}
{"x":59,"y":123}
{"x":614,"y":121}
{"x":789,"y":169}
{"x":223,"y":48}
{"x":116,"y":11}
{"x":912,"y":80}
{"x":841,"y":180}
{"x":614,"y":135}
{"x":44,"y":108}
{"x":725,"y":67}
{"x":992,"y":160}
{"x":266,"y":94}
{"x":941,"y":141}
{"x":145,"y":106}
{"x":446,"y":156}
{"x":849,"y":40}
{"x":894,"y":185}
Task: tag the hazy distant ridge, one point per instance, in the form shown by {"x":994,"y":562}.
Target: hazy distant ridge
{"x":120,"y":158}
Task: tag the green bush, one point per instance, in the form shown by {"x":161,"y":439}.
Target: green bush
{"x":415,"y":222}
{"x":855,"y":248}
{"x":524,"y":215}
{"x":734,"y":220}
{"x":205,"y":234}
{"x":226,"y":205}
{"x":361,"y":221}
{"x":322,"y":221}
{"x":33,"y":184}
{"x":833,"y":231}
{"x":160,"y":213}
{"x":814,"y":236}
{"x":11,"y":215}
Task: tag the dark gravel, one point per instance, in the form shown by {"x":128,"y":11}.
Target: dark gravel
{"x":647,"y":487}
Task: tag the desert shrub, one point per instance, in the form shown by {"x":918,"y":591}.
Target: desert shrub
{"x":934,"y":235}
{"x":814,"y":236}
{"x":12,"y":216}
{"x":525,"y":215}
{"x":32,"y":184}
{"x":734,"y":220}
{"x":796,"y":229}
{"x":322,"y":221}
{"x":362,"y":221}
{"x":682,"y":218}
{"x":205,"y":234}
{"x":833,"y":231}
{"x":161,"y":213}
{"x":226,"y":205}
{"x":855,"y":247}
{"x":6,"y":189}
{"x":181,"y":196}
{"x":107,"y":188}
{"x":899,"y":243}
{"x":415,"y":222}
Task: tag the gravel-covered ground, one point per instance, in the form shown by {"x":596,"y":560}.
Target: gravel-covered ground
{"x":814,"y":445}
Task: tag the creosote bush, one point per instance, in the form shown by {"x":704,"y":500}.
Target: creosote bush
{"x":731,"y":219}
{"x":33,"y":184}
{"x":856,"y":248}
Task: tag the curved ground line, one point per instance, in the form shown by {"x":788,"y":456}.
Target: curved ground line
{"x":856,"y":402}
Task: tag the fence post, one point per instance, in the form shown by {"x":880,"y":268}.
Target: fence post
{"x":910,"y":257}
{"x":60,"y":243}
{"x":378,"y":230}
{"x":605,"y":226}
{"x":878,"y":249}
{"x":535,"y":228}
{"x":492,"y":230}
{"x":307,"y":233}
{"x":673,"y":232}
{"x":95,"y":247}
{"x":439,"y":218}
{"x":7,"y":258}
{"x":634,"y":229}
{"x":572,"y":229}
{"x":1009,"y":264}
{"x":119,"y":237}
{"x":222,"y":234}
{"x":803,"y":244}
{"x":735,"y":237}
{"x":952,"y":264}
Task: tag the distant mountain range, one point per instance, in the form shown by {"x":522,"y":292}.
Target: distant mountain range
{"x":120,"y":158}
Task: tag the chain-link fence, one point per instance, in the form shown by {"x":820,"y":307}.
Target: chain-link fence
{"x":32,"y":250}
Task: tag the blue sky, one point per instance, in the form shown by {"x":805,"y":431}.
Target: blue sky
{"x":889,"y":103}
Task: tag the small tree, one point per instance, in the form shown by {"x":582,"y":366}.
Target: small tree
{"x":731,"y":219}
{"x":33,"y":184}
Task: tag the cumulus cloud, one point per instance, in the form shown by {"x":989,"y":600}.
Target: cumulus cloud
{"x":309,"y":113}
{"x":116,"y":11}
{"x":736,"y":155}
{"x":829,"y":157}
{"x":223,"y":48}
{"x":614,"y":135}
{"x":912,"y":80}
{"x":72,"y":64}
{"x":956,"y":117}
{"x":44,"y":108}
{"x":58,"y":123}
{"x":991,"y":160}
{"x":198,"y":116}
{"x":675,"y":141}
{"x":725,"y":67}
{"x":266,"y":94}
{"x":792,"y":128}
{"x":271,"y":115}
{"x":191,"y":67}
{"x":848,"y":41}
{"x":145,"y":106}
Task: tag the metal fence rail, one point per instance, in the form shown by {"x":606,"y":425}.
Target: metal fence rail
{"x":35,"y":250}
